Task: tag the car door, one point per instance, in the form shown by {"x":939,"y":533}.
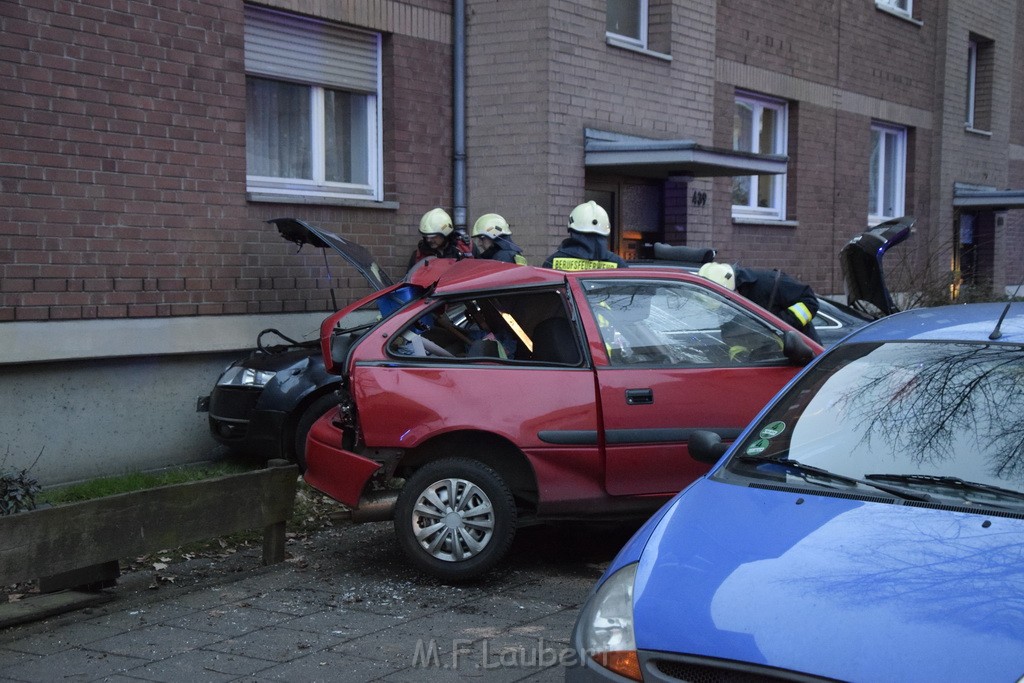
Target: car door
{"x":509,"y":364}
{"x":678,"y":356}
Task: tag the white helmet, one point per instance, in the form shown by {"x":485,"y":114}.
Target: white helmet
{"x":491,"y":225}
{"x":590,"y":217}
{"x":719,"y":273}
{"x":436,"y":222}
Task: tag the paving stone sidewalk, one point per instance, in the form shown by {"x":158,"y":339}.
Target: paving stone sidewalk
{"x":344,"y":607}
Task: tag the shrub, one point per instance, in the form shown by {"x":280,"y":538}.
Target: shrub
{"x":18,"y":490}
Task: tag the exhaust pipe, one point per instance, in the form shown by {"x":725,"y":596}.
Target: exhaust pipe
{"x":378,"y":506}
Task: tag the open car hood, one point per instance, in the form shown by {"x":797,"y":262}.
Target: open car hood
{"x":861,"y":260}
{"x":302,"y":233}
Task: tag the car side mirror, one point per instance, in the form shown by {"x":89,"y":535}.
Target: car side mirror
{"x":706,"y":446}
{"x":796,"y":349}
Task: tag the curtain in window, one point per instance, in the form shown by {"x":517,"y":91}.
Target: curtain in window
{"x":277,"y":129}
{"x":346,"y":136}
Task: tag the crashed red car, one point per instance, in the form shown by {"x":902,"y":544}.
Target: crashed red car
{"x":479,"y":396}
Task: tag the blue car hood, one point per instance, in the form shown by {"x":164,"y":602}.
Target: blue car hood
{"x":853,"y":590}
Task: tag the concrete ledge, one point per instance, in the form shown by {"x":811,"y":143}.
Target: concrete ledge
{"x":66,"y":538}
{"x":31,"y":342}
{"x":38,"y":607}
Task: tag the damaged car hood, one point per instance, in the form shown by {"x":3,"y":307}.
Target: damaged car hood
{"x":302,"y":233}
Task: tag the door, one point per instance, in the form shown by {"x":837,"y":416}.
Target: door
{"x":680,"y":357}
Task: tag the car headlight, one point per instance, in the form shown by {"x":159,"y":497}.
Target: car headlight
{"x":239,"y":376}
{"x":606,"y":625}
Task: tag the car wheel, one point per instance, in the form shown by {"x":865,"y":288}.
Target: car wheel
{"x":455,"y":518}
{"x":313,"y":413}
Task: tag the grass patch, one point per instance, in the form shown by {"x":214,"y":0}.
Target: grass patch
{"x":136,"y":481}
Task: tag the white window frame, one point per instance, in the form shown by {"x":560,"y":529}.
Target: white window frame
{"x":892,"y":141}
{"x":318,"y":187}
{"x":903,"y":7}
{"x":777,"y":210}
{"x":632,"y":41}
{"x":972,"y":82}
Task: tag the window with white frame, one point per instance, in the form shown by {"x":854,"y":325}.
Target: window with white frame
{"x":888,"y":172}
{"x":905,"y":7}
{"x":312,"y":108}
{"x":627,"y":21}
{"x":979,"y":84}
{"x":972,"y":80}
{"x":759,"y":126}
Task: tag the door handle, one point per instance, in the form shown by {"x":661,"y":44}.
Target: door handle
{"x":636,"y":397}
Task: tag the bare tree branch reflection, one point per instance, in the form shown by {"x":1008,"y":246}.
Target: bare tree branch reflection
{"x":927,"y":404}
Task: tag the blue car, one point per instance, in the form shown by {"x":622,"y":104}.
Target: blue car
{"x":868,"y":525}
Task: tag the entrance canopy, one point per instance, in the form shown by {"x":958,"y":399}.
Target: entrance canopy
{"x":981,"y":198}
{"x":665,"y":159}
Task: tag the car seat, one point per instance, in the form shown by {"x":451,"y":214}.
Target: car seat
{"x":554,"y":342}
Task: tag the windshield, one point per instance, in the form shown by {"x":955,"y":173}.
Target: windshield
{"x":938,"y":418}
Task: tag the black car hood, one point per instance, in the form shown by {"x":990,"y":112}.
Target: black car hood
{"x":302,"y":233}
{"x":861,"y":260}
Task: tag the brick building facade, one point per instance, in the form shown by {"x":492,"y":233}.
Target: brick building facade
{"x":134,"y":251}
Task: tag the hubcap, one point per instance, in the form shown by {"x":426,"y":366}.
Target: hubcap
{"x":453,"y":520}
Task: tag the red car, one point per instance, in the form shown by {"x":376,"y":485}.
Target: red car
{"x":480,"y":396}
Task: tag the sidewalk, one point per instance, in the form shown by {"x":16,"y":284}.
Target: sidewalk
{"x":344,"y":607}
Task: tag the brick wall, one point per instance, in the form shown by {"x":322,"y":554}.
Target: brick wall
{"x":123,"y":173}
{"x":541,"y":72}
{"x":835,"y":64}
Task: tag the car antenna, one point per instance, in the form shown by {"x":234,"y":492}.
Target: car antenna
{"x":996,"y":333}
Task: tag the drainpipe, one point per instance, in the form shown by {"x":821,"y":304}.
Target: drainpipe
{"x":459,"y":113}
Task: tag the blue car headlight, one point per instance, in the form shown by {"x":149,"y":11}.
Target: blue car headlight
{"x":238,"y":376}
{"x":606,"y":625}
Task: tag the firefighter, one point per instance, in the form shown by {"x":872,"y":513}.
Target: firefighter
{"x":786,"y":297}
{"x":439,"y":238}
{"x":492,"y":239}
{"x":586,"y":248}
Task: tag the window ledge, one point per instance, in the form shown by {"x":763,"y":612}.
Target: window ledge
{"x":767,"y":222}
{"x":272,"y":198}
{"x":616,"y":41}
{"x":977,"y":131}
{"x":898,"y":14}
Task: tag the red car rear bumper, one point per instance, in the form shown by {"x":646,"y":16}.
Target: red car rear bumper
{"x":340,"y":474}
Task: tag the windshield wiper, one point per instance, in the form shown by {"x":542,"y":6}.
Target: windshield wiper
{"x":811,"y":470}
{"x":945,"y":483}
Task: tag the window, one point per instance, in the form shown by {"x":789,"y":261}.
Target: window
{"x":972,"y":80}
{"x":888,"y":164}
{"x":312,"y":108}
{"x":679,"y":325}
{"x":979,"y":84}
{"x":759,"y":126}
{"x":627,"y":21}
{"x":904,"y":7}
{"x":530,"y":327}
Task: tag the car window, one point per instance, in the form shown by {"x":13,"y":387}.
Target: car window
{"x":528,"y":327}
{"x":920,"y":411}
{"x":660,"y":322}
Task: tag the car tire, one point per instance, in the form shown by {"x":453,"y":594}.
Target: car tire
{"x":442,"y":539}
{"x":314,"y":412}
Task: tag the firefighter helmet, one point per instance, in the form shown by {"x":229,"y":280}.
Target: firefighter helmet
{"x":491,"y":225}
{"x":590,"y":217}
{"x":436,"y":222}
{"x":719,"y":273}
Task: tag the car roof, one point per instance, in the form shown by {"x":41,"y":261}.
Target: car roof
{"x":983,"y":322}
{"x":473,"y":275}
